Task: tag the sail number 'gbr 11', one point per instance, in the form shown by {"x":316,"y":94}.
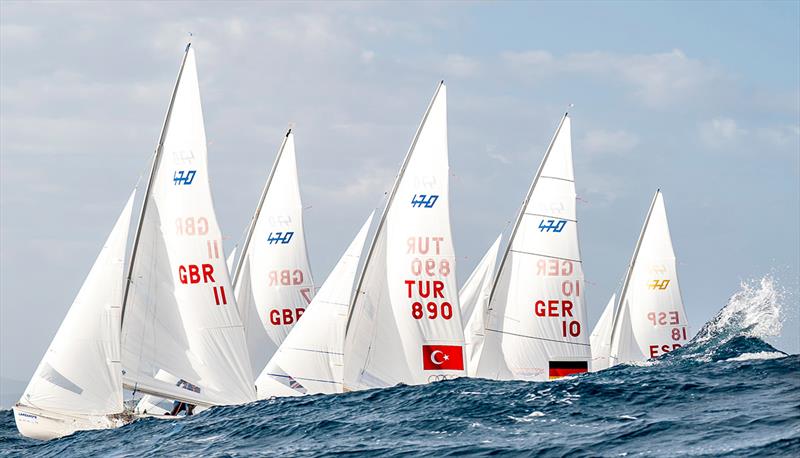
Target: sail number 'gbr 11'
{"x":195,"y":274}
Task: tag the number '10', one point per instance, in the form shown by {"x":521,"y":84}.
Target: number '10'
{"x":573,"y":328}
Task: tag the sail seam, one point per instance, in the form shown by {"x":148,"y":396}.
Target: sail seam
{"x":545,"y":256}
{"x":557,"y":178}
{"x":538,"y":338}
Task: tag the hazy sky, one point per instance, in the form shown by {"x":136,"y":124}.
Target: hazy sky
{"x":700,"y":99}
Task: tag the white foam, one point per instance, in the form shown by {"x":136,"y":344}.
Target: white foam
{"x":756,"y":310}
{"x":757,"y":356}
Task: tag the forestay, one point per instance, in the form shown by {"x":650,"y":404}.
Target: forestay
{"x":536,"y":320}
{"x":404,"y":324}
{"x":273,"y":277}
{"x":180,"y":315}
{"x":650,"y":319}
{"x":80,"y":374}
{"x":474,"y":298}
{"x":310,"y":359}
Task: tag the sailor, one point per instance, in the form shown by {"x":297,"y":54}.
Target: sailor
{"x":180,"y":406}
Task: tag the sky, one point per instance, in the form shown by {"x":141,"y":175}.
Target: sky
{"x":699,"y":99}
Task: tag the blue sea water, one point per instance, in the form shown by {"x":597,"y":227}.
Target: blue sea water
{"x":726,"y":393}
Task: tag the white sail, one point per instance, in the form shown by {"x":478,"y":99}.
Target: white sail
{"x":600,"y":339}
{"x":536,"y":324}
{"x":404,"y":323}
{"x":474,"y":297}
{"x":651,"y":319}
{"x":229,"y":261}
{"x":273,"y":282}
{"x":309,"y":361}
{"x":80,"y":373}
{"x":180,"y":315}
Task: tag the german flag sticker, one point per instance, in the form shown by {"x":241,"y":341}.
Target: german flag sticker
{"x":560,"y":369}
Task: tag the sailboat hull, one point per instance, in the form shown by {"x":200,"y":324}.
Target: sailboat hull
{"x":43,"y":425}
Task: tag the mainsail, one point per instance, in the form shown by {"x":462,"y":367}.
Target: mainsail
{"x":474,"y":297}
{"x":179,"y":314}
{"x":272,"y":280}
{"x":309,"y":361}
{"x":404,"y":323}
{"x":80,"y":372}
{"x":535,"y":327}
{"x":650,"y":319}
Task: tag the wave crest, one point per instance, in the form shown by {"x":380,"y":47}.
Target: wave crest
{"x":752,"y":314}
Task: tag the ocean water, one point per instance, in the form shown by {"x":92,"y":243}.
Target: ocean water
{"x":726,"y":393}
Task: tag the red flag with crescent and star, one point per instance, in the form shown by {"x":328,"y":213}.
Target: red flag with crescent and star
{"x":442,"y":357}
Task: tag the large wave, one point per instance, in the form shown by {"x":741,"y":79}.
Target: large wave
{"x":740,"y":329}
{"x":726,"y":392}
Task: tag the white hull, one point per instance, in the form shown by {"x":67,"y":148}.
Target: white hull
{"x":43,"y":425}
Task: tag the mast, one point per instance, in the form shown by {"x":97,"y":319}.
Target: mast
{"x":156,"y":161}
{"x":522,"y":210}
{"x":254,"y":220}
{"x":385,"y":211}
{"x":630,"y":270}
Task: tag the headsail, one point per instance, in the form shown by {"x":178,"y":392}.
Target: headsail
{"x":474,"y":297}
{"x":229,"y":261}
{"x":80,"y":374}
{"x":309,"y":361}
{"x":273,"y":281}
{"x":600,"y":338}
{"x":404,"y":323}
{"x":536,"y":327}
{"x":650,"y":319}
{"x":180,"y":315}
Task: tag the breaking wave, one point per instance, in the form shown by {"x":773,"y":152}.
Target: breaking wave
{"x":726,"y":392}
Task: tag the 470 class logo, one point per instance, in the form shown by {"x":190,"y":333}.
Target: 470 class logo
{"x":555,"y":225}
{"x":280,"y":237}
{"x":183,"y":177}
{"x":424,"y":200}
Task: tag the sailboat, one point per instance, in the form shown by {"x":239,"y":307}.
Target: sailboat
{"x":179,"y":316}
{"x":78,"y":383}
{"x":172,"y":317}
{"x":310,"y":359}
{"x":535,"y":321}
{"x":474,"y":298}
{"x":404,"y":322}
{"x":649,"y":319}
{"x":272,"y":279}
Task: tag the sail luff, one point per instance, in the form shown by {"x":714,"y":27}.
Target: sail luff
{"x":246,"y":244}
{"x":521,"y":212}
{"x":156,"y":160}
{"x":386,"y":208}
{"x":624,"y":291}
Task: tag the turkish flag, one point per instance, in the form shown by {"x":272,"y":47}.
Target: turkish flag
{"x":442,"y":357}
